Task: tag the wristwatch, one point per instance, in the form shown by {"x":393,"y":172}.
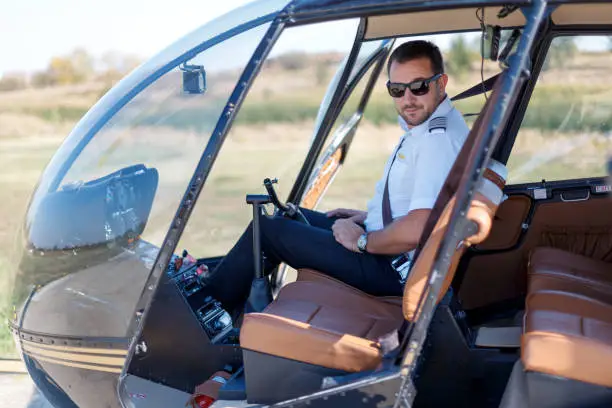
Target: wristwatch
{"x":362,"y":242}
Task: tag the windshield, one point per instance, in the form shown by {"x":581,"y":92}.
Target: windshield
{"x":106,"y":200}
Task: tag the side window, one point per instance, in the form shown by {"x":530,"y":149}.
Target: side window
{"x":346,"y":189}
{"x":565,"y":133}
{"x":270,"y":136}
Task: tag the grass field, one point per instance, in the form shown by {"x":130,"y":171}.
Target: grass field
{"x":568,"y":135}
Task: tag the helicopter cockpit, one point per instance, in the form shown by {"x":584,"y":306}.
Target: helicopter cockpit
{"x":158,"y":180}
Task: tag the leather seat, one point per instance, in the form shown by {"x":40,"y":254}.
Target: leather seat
{"x":568,"y":317}
{"x":568,"y":335}
{"x":556,"y":269}
{"x":321,"y":321}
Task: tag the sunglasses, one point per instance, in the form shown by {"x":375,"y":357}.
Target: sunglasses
{"x":418,"y":88}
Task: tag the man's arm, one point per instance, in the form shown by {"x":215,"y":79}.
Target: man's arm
{"x":435,"y":157}
{"x":402,"y":235}
{"x":357,"y":216}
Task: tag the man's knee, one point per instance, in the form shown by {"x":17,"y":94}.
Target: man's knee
{"x":271,"y":226}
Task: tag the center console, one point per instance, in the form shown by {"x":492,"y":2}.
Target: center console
{"x":185,"y":272}
{"x":187,"y":332}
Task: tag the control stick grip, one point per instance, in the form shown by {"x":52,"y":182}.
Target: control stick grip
{"x":273,"y":196}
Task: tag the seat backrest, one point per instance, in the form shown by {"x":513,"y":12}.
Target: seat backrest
{"x":487,"y":197}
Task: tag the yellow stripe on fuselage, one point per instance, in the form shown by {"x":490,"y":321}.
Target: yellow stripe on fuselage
{"x":89,"y":350}
{"x":116,"y":370}
{"x":76,"y":357}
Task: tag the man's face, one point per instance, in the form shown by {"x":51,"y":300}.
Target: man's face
{"x":417,"y":109}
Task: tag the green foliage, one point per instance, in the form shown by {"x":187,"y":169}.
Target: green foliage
{"x":551,"y":108}
{"x":42,"y":80}
{"x":113,"y":66}
{"x":73,"y":68}
{"x":12,"y":82}
{"x":570,"y":109}
{"x":291,"y":111}
{"x":57,"y":114}
{"x":79,"y":66}
{"x":561,"y":51}
{"x":293,"y":61}
{"x":459,"y":57}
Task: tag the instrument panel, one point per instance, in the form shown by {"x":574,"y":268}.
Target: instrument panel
{"x":186,"y":272}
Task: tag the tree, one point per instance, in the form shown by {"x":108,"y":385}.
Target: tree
{"x":12,"y":82}
{"x":114,"y":65}
{"x":42,"y":79}
{"x":459,"y":57}
{"x":561,"y":51}
{"x":62,"y":72}
{"x":293,"y":61}
{"x":72,"y":68}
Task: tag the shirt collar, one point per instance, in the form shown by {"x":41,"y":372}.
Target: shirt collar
{"x":442,"y":110}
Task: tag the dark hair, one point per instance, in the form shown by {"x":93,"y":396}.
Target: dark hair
{"x":418,"y":49}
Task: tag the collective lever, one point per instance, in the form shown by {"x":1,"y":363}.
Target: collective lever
{"x":261,"y":294}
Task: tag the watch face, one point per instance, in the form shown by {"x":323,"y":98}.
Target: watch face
{"x":362,"y":242}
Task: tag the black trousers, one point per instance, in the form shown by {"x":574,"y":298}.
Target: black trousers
{"x":300,"y":246}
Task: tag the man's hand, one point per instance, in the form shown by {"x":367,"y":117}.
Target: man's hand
{"x":356,"y":216}
{"x":347,"y":233}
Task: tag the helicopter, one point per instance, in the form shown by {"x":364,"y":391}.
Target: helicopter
{"x":506,"y":305}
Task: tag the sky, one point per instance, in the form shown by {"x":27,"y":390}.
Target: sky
{"x":33,"y":31}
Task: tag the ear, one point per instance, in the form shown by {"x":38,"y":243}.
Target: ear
{"x":443,"y":82}
{"x":442,"y":85}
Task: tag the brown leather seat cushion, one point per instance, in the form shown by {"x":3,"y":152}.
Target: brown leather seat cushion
{"x":568,"y":335}
{"x":323,"y":324}
{"x":316,"y":276}
{"x":555,"y":269}
{"x":569,"y":303}
{"x":567,"y":265}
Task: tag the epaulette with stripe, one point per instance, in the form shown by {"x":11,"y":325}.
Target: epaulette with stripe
{"x":437,"y":125}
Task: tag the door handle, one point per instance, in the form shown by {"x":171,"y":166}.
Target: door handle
{"x":573,"y":200}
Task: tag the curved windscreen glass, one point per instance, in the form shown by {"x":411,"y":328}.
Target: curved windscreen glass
{"x":271,"y":135}
{"x":105,"y":202}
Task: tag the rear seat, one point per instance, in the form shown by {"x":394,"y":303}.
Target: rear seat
{"x":568,"y":325}
{"x":570,"y":336}
{"x":323,"y":322}
{"x":556,"y":269}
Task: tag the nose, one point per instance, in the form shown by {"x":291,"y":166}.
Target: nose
{"x":408,"y":97}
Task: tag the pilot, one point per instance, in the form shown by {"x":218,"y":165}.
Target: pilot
{"x":368,"y":250}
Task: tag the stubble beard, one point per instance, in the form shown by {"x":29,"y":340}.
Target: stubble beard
{"x":425,"y":114}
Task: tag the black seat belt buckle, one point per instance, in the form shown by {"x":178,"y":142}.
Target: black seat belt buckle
{"x":401,"y":264}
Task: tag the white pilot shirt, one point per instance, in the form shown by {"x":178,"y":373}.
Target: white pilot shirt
{"x":421,"y":166}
